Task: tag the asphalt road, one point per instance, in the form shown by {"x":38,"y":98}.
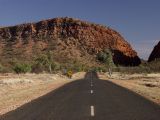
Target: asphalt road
{"x":87,"y":99}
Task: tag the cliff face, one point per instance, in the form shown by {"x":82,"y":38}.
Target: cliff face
{"x":155,"y":53}
{"x":67,"y":38}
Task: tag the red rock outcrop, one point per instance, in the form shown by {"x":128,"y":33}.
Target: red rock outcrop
{"x":68,"y":38}
{"x":155,"y":54}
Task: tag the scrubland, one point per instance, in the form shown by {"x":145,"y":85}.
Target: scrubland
{"x":16,"y":90}
{"x":147,"y":85}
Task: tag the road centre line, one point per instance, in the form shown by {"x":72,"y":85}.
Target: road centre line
{"x":92,"y":111}
{"x":91,"y":91}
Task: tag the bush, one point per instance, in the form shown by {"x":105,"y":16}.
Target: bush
{"x":22,"y":68}
{"x":75,"y":66}
{"x":99,"y":69}
{"x":78,"y":67}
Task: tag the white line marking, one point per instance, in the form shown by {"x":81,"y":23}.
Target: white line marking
{"x":91,"y":91}
{"x":92,"y":111}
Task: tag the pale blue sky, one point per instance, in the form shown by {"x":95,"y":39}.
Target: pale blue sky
{"x":137,"y":20}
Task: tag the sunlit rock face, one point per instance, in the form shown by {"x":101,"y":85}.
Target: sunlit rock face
{"x":67,"y":38}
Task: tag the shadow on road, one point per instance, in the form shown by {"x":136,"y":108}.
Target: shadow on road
{"x":73,"y":100}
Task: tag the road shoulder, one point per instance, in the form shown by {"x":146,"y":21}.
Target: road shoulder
{"x":147,"y":86}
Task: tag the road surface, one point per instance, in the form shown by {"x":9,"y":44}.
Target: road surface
{"x":87,"y":99}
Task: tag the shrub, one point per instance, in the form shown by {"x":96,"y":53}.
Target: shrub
{"x":99,"y":69}
{"x":77,"y":67}
{"x":22,"y":68}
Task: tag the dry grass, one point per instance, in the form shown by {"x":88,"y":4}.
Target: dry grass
{"x":16,"y":90}
{"x":147,"y":85}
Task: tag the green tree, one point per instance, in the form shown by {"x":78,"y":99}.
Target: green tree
{"x":106,"y":57}
{"x":45,"y":62}
{"x":41,"y":62}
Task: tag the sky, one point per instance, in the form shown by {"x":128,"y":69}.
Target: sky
{"x":138,"y":21}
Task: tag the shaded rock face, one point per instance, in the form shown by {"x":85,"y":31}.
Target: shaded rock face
{"x":155,"y":54}
{"x":68,"y":38}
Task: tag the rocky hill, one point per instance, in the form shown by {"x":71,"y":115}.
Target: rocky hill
{"x":155,"y":53}
{"x":67,"y":38}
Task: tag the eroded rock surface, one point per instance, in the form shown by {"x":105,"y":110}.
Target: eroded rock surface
{"x":68,"y":38}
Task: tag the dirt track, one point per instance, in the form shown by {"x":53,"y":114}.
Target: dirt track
{"x":73,"y":101}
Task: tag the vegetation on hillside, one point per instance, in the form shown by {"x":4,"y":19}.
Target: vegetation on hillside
{"x":22,"y":68}
{"x":106,"y":58}
{"x":46,"y":63}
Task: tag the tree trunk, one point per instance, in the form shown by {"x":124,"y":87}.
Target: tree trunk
{"x":50,"y":68}
{"x":110,"y":72}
